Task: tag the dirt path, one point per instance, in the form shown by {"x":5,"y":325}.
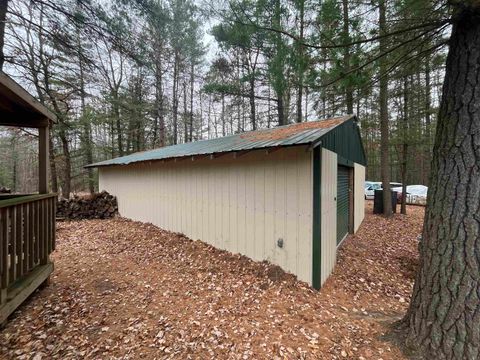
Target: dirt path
{"x":127,"y":290}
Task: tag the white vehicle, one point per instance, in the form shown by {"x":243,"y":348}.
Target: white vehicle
{"x":416,"y":194}
{"x":371,"y":186}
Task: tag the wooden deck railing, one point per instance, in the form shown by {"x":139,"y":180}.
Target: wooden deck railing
{"x":27,"y":237}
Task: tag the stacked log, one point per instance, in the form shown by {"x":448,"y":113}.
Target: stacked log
{"x":94,"y":206}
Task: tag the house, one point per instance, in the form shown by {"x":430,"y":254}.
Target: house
{"x":27,"y":221}
{"x":289,"y":195}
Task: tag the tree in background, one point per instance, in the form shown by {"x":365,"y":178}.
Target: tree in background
{"x":383,"y":108}
{"x":246,"y":42}
{"x":3,"y":17}
{"x":276,"y":54}
{"x":146,"y":68}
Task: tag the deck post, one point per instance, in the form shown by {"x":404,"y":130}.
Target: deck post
{"x":43,"y":133}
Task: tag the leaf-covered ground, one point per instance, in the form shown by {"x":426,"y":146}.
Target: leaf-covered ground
{"x":128,"y":290}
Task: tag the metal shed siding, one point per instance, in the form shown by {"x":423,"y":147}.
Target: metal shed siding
{"x":328,"y":213}
{"x":343,"y":202}
{"x":359,"y":195}
{"x":241,"y":205}
{"x":345,"y":140}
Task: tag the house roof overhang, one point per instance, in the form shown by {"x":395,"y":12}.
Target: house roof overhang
{"x":19,"y":108}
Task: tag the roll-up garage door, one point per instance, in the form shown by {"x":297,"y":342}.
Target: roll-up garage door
{"x":343,"y":202}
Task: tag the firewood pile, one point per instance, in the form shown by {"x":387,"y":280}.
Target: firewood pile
{"x":5,"y":190}
{"x":93,"y":206}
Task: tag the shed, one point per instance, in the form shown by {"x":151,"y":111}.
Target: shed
{"x":288,"y":195}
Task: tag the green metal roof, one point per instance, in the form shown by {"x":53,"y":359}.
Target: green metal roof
{"x":307,"y":133}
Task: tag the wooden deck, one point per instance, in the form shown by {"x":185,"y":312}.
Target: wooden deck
{"x":27,"y":237}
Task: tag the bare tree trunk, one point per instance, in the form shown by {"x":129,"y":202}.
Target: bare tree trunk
{"x":175,"y":98}
{"x":280,"y":111}
{"x":185,"y":113}
{"x":223,"y":115}
{"x":306,"y":104}
{"x":346,"y":56}
{"x":192,"y":88}
{"x":87,"y":129}
{"x":403,"y":209}
{"x":383,"y":98}
{"x":324,"y":95}
{"x":53,"y":166}
{"x":209,"y":113}
{"x":428,"y":135}
{"x":3,"y":17}
{"x":444,"y":315}
{"x":278,"y":64}
{"x":67,"y":173}
{"x":118,"y":123}
{"x":252,"y":102}
{"x":13,"y":144}
{"x":269,"y":109}
{"x":159,"y":134}
{"x":61,"y":126}
{"x":300,"y":64}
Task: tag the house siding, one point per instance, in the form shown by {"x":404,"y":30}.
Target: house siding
{"x":243,"y":205}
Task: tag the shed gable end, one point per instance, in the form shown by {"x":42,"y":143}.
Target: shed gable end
{"x":346,"y":142}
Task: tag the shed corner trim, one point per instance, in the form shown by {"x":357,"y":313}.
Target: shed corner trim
{"x":316,"y":219}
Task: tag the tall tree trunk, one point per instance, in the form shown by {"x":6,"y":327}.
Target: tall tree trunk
{"x":323,"y":93}
{"x":67,"y":171}
{"x":51,"y":148}
{"x":253,"y":120}
{"x":53,"y":166}
{"x":403,"y":209}
{"x":87,"y":129}
{"x":62,"y":123}
{"x":192,"y":88}
{"x":306,"y":104}
{"x":428,"y":135}
{"x":301,"y":62}
{"x":280,"y":111}
{"x":346,"y":57}
{"x":223,"y":115}
{"x":118,"y":122}
{"x":89,"y":155}
{"x":185,"y":112}
{"x":175,"y":97}
{"x":13,"y":144}
{"x":3,"y":17}
{"x":209,"y":113}
{"x":269,"y":109}
{"x":444,"y":315}
{"x":383,"y":98}
{"x":278,"y":63}
{"x":159,"y":134}
{"x":112,"y":137}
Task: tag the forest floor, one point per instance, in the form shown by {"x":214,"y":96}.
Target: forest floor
{"x":128,"y":290}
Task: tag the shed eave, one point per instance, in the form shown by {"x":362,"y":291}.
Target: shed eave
{"x":108,"y":163}
{"x":308,"y":133}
